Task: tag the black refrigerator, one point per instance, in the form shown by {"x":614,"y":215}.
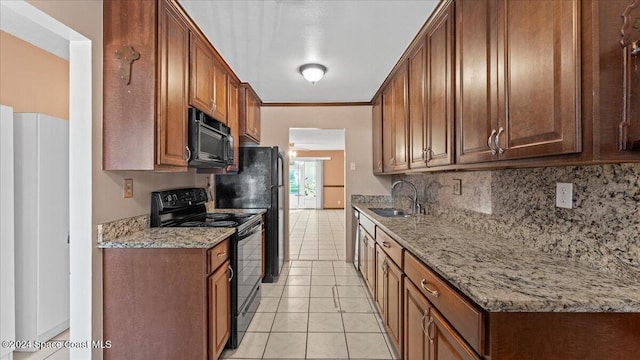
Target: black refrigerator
{"x":259,"y":184}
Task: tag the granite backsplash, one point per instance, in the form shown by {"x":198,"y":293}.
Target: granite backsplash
{"x":602,"y":229}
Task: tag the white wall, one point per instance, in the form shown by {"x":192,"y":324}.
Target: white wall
{"x":356,"y":121}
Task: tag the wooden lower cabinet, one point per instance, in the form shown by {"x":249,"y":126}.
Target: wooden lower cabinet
{"x":389,"y":295}
{"x":166,"y":303}
{"x":219,"y":309}
{"x":427,"y":335}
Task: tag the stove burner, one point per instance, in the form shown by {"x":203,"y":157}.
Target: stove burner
{"x":218,"y":216}
{"x":222,"y":223}
{"x":243,"y":215}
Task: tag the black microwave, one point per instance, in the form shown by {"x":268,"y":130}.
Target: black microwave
{"x":210,"y":141}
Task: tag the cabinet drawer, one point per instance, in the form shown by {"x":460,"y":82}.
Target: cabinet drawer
{"x":367,"y":225}
{"x":217,"y":256}
{"x":463,"y":315}
{"x":390,"y":246}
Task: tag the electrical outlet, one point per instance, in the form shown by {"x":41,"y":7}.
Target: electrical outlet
{"x":564,"y":195}
{"x":457,"y":186}
{"x":353,"y":166}
{"x":128,"y":188}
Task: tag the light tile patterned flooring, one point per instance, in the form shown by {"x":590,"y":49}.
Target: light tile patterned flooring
{"x":316,"y":235}
{"x":320,"y":307}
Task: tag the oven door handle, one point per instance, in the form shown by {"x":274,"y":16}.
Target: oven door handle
{"x":246,"y":233}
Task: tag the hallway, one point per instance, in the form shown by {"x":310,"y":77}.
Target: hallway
{"x":317,"y":235}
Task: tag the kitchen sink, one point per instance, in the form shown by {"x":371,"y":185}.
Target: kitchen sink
{"x":390,"y":212}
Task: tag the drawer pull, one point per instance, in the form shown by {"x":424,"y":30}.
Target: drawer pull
{"x":231,"y":273}
{"x":221,"y":254}
{"x":386,"y":244}
{"x":423,"y":284}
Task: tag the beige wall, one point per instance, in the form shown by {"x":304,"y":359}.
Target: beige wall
{"x":85,"y":17}
{"x":332,"y":176}
{"x":356,"y":120}
{"x":33,"y":80}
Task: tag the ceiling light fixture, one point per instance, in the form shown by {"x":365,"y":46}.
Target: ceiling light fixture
{"x":313,"y":72}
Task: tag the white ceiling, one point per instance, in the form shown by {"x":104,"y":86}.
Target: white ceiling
{"x":265,"y":41}
{"x":317,"y":139}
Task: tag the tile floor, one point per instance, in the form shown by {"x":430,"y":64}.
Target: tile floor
{"x":320,"y":307}
{"x":317,"y":310}
{"x":51,"y":353}
{"x":316,"y":235}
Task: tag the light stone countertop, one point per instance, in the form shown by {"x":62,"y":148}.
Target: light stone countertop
{"x":135,"y":232}
{"x":175,"y":237}
{"x":504,"y":276}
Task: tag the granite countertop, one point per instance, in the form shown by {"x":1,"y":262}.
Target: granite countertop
{"x":502,"y":276}
{"x":135,"y":233}
{"x":170,"y":238}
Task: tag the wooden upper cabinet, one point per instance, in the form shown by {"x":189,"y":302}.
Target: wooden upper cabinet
{"x":201,"y":75}
{"x":233,"y":120}
{"x":417,"y":103}
{"x":173,"y":80}
{"x":208,"y":90}
{"x":476,"y":79}
{"x":439,"y":92}
{"x":249,"y":114}
{"x":377,"y":135}
{"x":145,"y":101}
{"x":518,"y":79}
{"x":219,"y":91}
{"x":388,"y":129}
{"x":401,"y":119}
{"x":539,"y":78}
{"x":395,"y":154}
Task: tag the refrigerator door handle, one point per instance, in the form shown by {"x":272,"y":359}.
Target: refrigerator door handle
{"x":281,"y":169}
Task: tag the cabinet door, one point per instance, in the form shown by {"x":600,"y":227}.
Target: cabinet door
{"x":401,"y":119}
{"x":377,"y":135}
{"x":219,"y":309}
{"x":476,"y":79}
{"x":417,"y":107}
{"x":219,"y":92}
{"x":173,"y":48}
{"x":539,"y":65}
{"x":381,"y":281}
{"x":233,"y":120}
{"x":388,"y":129}
{"x":201,"y":75}
{"x":447,"y":344}
{"x":439,"y":111}
{"x":394,"y":303}
{"x":416,"y":315}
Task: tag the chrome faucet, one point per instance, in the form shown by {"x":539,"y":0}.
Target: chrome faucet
{"x":415,"y":206}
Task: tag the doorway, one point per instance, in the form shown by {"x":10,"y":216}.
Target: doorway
{"x":305,"y":181}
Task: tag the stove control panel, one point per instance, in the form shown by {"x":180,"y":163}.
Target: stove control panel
{"x":178,"y":198}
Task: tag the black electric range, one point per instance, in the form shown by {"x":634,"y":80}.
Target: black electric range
{"x":186,"y":208}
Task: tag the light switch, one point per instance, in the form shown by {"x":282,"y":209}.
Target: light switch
{"x":353,"y":166}
{"x":564,"y":195}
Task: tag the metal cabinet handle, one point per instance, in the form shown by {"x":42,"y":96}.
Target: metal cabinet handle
{"x":490,"y":142}
{"x":423,"y":284}
{"x":426,"y":313}
{"x":429,"y":323}
{"x":391,"y":161}
{"x":211,"y":104}
{"x":221,"y":254}
{"x":231,"y":270}
{"x":385,"y":267}
{"x":428,"y":154}
{"x":386,"y":244}
{"x":380,"y":164}
{"x":214,"y":107}
{"x":188,"y":153}
{"x":497,"y":141}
